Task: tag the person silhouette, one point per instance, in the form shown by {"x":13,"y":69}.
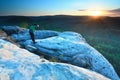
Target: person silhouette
{"x":31,"y":32}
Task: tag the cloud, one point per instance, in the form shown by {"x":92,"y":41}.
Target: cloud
{"x":81,"y":10}
{"x":115,"y":10}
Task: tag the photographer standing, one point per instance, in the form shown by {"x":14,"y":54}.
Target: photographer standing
{"x":31,"y":32}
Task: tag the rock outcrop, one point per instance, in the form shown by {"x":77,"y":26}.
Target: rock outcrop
{"x":11,"y":29}
{"x":71,"y":47}
{"x":20,"y":64}
{"x":68,"y":47}
{"x":39,"y":34}
{"x":22,"y":34}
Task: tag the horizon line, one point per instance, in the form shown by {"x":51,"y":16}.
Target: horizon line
{"x":53,"y":15}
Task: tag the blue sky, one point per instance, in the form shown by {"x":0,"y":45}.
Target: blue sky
{"x":55,"y":7}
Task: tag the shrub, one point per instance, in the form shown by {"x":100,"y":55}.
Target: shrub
{"x":24,"y":25}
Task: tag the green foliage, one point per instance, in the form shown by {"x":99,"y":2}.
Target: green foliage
{"x":109,"y":49}
{"x":53,"y":59}
{"x":24,"y":25}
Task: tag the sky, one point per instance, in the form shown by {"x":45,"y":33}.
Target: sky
{"x":58,"y":7}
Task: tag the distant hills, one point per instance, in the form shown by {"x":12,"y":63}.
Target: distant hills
{"x":65,"y":22}
{"x":113,"y":21}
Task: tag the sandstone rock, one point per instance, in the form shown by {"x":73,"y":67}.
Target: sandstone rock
{"x":39,"y":34}
{"x":11,"y":29}
{"x":72,"y":48}
{"x":19,"y":64}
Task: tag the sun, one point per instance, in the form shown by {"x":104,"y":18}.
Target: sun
{"x":96,"y":13}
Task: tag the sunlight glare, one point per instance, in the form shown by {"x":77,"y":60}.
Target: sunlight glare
{"x":96,"y":13}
